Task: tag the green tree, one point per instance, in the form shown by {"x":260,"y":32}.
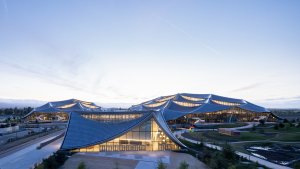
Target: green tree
{"x":276,"y":127}
{"x":50,"y":163}
{"x":262,"y":122}
{"x":228,"y":152}
{"x":297,"y":165}
{"x":281,"y":125}
{"x":161,"y":165}
{"x":81,"y":165}
{"x":218,"y":162}
{"x":183,"y":165}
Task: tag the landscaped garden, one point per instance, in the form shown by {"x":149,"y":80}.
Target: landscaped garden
{"x":224,"y":125}
{"x":225,"y":159}
{"x":278,"y":143}
{"x":276,"y":132}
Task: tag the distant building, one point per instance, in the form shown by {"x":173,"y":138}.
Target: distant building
{"x":8,"y":128}
{"x":229,"y":132}
{"x":59,"y":110}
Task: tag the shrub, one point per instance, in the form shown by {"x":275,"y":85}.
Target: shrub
{"x":261,"y":131}
{"x":206,"y":156}
{"x":50,"y":163}
{"x":276,"y":127}
{"x":200,"y":146}
{"x":297,"y":165}
{"x":281,"y":125}
{"x":183,"y":165}
{"x":161,"y":165}
{"x":262,"y":122}
{"x":228,"y":152}
{"x":218,"y":162}
{"x":81,"y":165}
{"x":53,"y":162}
{"x":285,"y":121}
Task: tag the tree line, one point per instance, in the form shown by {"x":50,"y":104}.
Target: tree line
{"x":15,"y":111}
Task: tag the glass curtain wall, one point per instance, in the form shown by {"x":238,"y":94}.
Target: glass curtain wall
{"x":146,"y":137}
{"x":230,"y":116}
{"x":225,"y":116}
{"x":53,"y":116}
{"x":112,"y":118}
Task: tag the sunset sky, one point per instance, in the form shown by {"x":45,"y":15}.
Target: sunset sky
{"x":131,"y":51}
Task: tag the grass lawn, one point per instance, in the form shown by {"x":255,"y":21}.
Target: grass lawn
{"x":216,"y":126}
{"x":252,"y":136}
{"x":287,"y":137}
{"x":287,"y":134}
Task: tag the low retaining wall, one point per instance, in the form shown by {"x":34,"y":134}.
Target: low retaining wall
{"x":43,"y":144}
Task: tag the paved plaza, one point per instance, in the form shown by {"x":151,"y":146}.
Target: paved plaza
{"x":133,"y":160}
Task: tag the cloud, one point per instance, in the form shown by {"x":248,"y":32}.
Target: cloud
{"x":179,"y":29}
{"x":295,"y":98}
{"x":282,"y":102}
{"x":54,"y":79}
{"x":249,"y":87}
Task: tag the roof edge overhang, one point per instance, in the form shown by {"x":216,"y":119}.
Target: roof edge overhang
{"x":166,"y":129}
{"x":146,"y":117}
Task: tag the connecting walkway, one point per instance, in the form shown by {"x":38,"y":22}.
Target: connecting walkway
{"x":249,"y":157}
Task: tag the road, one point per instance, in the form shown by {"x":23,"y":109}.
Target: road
{"x":26,"y":155}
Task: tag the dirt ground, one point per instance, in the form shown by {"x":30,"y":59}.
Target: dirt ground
{"x":130,"y":160}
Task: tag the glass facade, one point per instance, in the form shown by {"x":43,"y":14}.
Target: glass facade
{"x":187,"y":104}
{"x":229,"y":116}
{"x":145,"y":137}
{"x":45,"y":117}
{"x":226,"y":103}
{"x":112,"y":118}
{"x":192,"y":98}
{"x":224,"y":116}
{"x":155,"y":104}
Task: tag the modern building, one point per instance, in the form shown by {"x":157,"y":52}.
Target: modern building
{"x":145,"y":127}
{"x":119,"y":131}
{"x":60,"y":110}
{"x":196,"y":108}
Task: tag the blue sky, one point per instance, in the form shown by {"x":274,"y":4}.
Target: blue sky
{"x":130,"y":51}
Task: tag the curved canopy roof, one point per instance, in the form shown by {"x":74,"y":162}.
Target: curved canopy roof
{"x":181,"y":104}
{"x":83,"y":132}
{"x":66,"y":106}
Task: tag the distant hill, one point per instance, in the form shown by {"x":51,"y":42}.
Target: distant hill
{"x":12,"y":103}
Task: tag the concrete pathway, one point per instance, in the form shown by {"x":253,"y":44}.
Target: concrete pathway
{"x":249,"y":157}
{"x":146,"y":160}
{"x":143,"y":159}
{"x":146,"y":165}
